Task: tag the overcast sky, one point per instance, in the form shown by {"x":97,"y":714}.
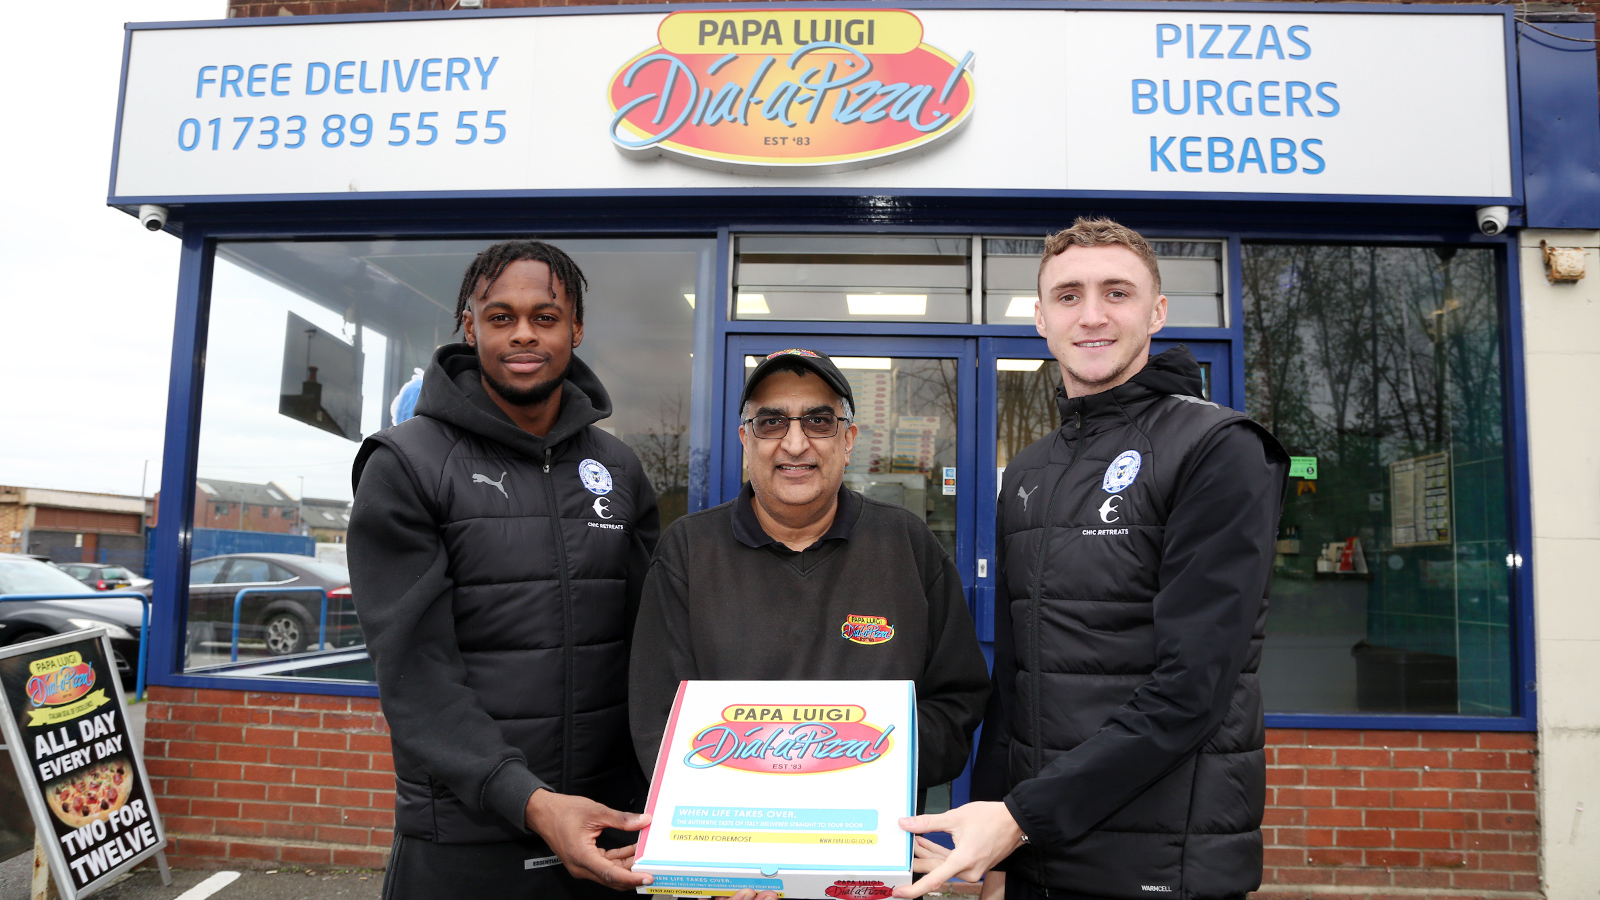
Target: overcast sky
{"x":86,"y":295}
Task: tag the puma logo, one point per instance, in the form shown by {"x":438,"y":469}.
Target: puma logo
{"x":498,"y":485}
{"x":1026,"y":495}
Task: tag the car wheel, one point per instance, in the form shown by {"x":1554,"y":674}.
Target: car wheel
{"x":286,"y":633}
{"x":30,"y":636}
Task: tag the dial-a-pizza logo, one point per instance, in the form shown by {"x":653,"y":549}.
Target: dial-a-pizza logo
{"x":59,"y":679}
{"x":772,"y":91}
{"x":858,"y":890}
{"x":790,"y":739}
{"x":866,"y":629}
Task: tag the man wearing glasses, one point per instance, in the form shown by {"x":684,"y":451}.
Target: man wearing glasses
{"x":800,"y":578}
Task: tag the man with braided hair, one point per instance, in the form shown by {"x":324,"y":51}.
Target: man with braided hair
{"x":498,"y":544}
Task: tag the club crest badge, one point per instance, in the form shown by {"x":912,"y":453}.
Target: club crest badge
{"x":597,"y":478}
{"x":1122,"y":471}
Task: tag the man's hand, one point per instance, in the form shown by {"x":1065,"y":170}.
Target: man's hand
{"x":984,"y":834}
{"x":571,"y":825}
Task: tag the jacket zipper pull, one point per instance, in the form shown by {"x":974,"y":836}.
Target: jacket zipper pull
{"x":547,"y":453}
{"x":1077,"y":421}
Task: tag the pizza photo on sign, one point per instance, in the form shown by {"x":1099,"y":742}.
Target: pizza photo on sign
{"x":92,"y":794}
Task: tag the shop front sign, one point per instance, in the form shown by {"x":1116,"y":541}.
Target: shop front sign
{"x":777,"y":90}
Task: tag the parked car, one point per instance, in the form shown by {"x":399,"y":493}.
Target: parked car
{"x":285,"y":622}
{"x":27,"y":620}
{"x":106,"y":577}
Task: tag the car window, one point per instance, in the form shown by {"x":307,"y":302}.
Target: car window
{"x":249,"y":571}
{"x":27,"y":576}
{"x":326,"y":571}
{"x":205,"y":571}
{"x":279,"y":573}
{"x":77,"y":571}
{"x":116,"y":572}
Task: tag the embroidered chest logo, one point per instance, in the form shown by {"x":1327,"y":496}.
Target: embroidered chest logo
{"x":497,"y":485}
{"x":596,"y":477}
{"x":1026,"y":495}
{"x":1122,"y":471}
{"x":866,"y":630}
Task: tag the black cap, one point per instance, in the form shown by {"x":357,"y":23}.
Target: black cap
{"x":810,"y":359}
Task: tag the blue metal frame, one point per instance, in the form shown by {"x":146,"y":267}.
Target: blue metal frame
{"x":1513,"y":107}
{"x":238,"y":607}
{"x":144,"y":625}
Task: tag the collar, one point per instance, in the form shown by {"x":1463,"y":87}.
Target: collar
{"x":748,"y":531}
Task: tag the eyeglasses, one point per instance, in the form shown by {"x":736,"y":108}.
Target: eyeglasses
{"x":817,"y":425}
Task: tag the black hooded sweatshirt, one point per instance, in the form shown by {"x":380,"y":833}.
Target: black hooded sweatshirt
{"x":497,"y":576}
{"x":1124,"y":733}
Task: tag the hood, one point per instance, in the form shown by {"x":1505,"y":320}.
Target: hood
{"x":1173,"y":371}
{"x":453,"y":392}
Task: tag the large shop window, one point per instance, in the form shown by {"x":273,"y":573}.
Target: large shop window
{"x":1379,"y":368}
{"x":311,"y":346}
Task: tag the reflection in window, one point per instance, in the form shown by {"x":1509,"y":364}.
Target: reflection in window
{"x":309,"y":345}
{"x":1379,"y":369}
{"x":1191,"y":279}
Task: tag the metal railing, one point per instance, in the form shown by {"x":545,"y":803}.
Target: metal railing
{"x":144,"y":623}
{"x":238,"y":606}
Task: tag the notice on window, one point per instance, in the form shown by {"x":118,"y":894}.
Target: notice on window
{"x":1420,"y":493}
{"x":63,"y":715}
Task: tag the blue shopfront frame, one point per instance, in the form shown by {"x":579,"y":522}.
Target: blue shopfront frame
{"x":719,"y":339}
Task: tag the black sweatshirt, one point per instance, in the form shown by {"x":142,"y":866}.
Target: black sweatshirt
{"x":726,"y":602}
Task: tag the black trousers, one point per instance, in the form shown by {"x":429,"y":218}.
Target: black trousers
{"x":420,"y":869}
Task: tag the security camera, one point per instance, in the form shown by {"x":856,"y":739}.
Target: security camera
{"x":1492,"y":219}
{"x":154,"y":217}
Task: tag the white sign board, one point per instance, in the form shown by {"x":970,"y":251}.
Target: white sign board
{"x":790,"y":786}
{"x":1177,"y":102}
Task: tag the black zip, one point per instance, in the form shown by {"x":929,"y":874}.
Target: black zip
{"x":567,"y":697}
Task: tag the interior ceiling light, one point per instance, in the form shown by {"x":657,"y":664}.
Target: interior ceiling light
{"x":1021,"y":307}
{"x":750,"y":362}
{"x":1018,"y":365}
{"x":861,"y":362}
{"x":752,"y":305}
{"x":887,"y":304}
{"x":690,"y":298}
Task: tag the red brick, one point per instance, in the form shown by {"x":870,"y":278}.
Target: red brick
{"x":1373,"y":799}
{"x":1336,"y":817}
{"x":315,"y":815}
{"x":219,"y":734}
{"x":1393,"y":818}
{"x":322,"y":777}
{"x":1391,"y":740}
{"x":332,"y":796}
{"x":1423,"y":840}
{"x":1363,"y":837}
{"x":1304,"y":797}
{"x":1450,"y":821}
{"x":237,"y":790}
{"x":1305,"y":837}
{"x":1333,"y":777}
{"x":1416,"y":759}
{"x":1444,"y":859}
{"x":1304,"y":756}
{"x":1422,"y":878}
{"x":379,"y":743}
{"x":365,"y":704}
{"x":337,"y":759}
{"x":293,"y":756}
{"x":360,"y":859}
{"x":165,"y":730}
{"x":1389,"y":778}
{"x":369,"y":818}
{"x":1509,"y":862}
{"x":1509,"y":821}
{"x":334,"y":834}
{"x":284,"y":831}
{"x":1506,"y":781}
{"x":347,"y":722}
{"x":1325,"y":856}
{"x":191,"y":750}
{"x":269,"y":774}
{"x":240,"y":850}
{"x":170,"y":694}
{"x":1462,"y":740}
{"x":1478,"y":800}
{"x":1421,"y":799}
{"x":219,"y":698}
{"x":190,"y":824}
{"x":1363,"y":757}
{"x":308,"y":856}
{"x":1525,"y":843}
{"x":189,"y":787}
{"x":1361,"y":877}
{"x":243,"y":753}
{"x":1527,"y":884}
{"x":244,"y":715}
{"x":1450,"y":778}
{"x":1478,"y":759}
{"x":1482,"y":881}
{"x":155,"y":749}
{"x":193,"y":847}
{"x":284,"y":793}
{"x":376,"y":781}
{"x":194,"y":714}
{"x":381,"y":837}
{"x":1284,"y":856}
{"x":1523,"y":800}
{"x":167,"y":767}
{"x":315,"y":701}
{"x":1403,"y":858}
{"x":1304,"y":876}
{"x":1507,"y":740}
{"x":322,"y":740}
{"x":296,"y":718}
{"x":269,"y":737}
{"x":238,"y":828}
{"x":217,"y":771}
{"x":1333,"y":737}
{"x":256,"y":698}
{"x":217,"y":809}
{"x":383,"y":763}
{"x":265,"y":812}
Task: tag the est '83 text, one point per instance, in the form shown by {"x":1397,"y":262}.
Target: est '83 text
{"x":290,"y":133}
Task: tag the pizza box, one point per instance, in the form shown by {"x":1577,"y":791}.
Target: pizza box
{"x":789,"y":786}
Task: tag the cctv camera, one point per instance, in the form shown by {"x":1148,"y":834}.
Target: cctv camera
{"x":155,"y":217}
{"x":1492,"y":219}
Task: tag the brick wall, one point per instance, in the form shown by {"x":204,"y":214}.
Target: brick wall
{"x":264,"y":780}
{"x":1369,"y":814}
{"x":254,"y":779}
